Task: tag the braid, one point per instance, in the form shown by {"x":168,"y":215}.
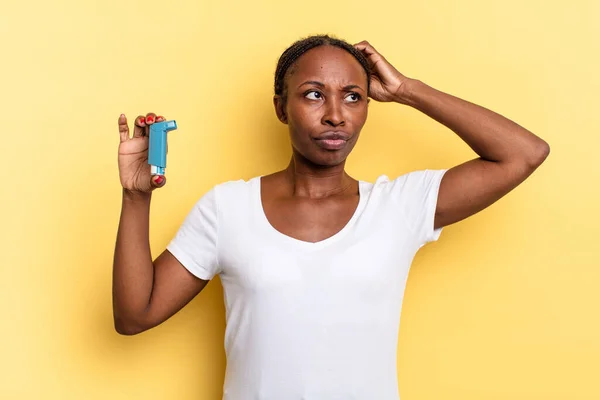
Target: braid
{"x":292,"y":53}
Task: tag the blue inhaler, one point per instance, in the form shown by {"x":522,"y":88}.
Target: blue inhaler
{"x":157,"y":147}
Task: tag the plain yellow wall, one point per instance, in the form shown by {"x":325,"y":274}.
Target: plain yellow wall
{"x":504,"y":306}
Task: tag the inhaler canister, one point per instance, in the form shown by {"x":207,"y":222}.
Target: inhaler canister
{"x":157,"y":147}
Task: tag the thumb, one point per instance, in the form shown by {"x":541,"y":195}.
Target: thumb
{"x":158,"y":181}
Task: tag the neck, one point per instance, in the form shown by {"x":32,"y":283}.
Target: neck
{"x":315,"y":181}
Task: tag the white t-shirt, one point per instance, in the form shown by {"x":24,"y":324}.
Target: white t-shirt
{"x":311,"y":321}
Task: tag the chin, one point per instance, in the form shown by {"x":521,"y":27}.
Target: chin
{"x":320,"y":157}
{"x":332,"y":159}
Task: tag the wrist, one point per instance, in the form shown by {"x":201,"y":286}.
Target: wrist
{"x":136,"y":196}
{"x":407,"y":92}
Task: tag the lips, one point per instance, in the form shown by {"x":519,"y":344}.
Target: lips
{"x":333,"y":135}
{"x":332,"y":140}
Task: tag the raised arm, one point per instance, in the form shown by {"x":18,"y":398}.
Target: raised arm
{"x":145,"y":292}
{"x":508,"y":153}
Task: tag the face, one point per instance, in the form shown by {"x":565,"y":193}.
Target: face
{"x":326,"y":105}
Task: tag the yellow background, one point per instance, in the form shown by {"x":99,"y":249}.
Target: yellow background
{"x":504,"y":306}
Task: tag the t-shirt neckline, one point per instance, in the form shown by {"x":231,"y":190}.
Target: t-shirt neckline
{"x":282,"y":237}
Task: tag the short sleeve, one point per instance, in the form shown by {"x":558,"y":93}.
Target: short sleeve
{"x":417,"y":195}
{"x":195,"y":244}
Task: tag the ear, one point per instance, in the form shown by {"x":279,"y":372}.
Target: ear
{"x":280,"y":108}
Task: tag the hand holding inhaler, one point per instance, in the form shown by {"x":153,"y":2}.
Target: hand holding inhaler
{"x":142,"y":157}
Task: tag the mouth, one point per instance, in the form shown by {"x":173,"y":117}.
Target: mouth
{"x":332,"y":140}
{"x":331,"y":144}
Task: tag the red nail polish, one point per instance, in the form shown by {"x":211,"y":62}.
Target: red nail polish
{"x":150,"y":119}
{"x":159,"y":180}
{"x":142,"y":120}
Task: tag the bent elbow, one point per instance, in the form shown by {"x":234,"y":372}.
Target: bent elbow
{"x":126,"y":328}
{"x":128,"y":331}
{"x":538,"y":154}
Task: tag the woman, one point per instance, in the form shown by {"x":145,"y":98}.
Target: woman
{"x":313,"y":262}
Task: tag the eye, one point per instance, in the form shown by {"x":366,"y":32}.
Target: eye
{"x":313,"y":95}
{"x":353,"y":97}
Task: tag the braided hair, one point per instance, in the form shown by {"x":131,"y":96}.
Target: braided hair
{"x":292,"y":53}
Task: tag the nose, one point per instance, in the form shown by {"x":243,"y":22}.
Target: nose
{"x":333,"y":115}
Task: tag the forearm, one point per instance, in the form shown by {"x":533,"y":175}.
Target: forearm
{"x":492,"y":136}
{"x":133,"y":270}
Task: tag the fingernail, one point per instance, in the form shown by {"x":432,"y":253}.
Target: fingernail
{"x":150,"y":119}
{"x":142,"y":120}
{"x":159,"y":180}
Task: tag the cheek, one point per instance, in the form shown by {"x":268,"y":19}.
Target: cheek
{"x":356,"y":117}
{"x":360,"y":115}
{"x":303,"y":114}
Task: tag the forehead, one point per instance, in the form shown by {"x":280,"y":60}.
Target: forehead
{"x":328,"y":64}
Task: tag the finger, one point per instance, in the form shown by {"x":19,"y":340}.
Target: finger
{"x":139,"y":126}
{"x":158,"y":181}
{"x":373,"y":57}
{"x":368,"y":51}
{"x":370,"y":60}
{"x":366,"y":47}
{"x":150,"y":118}
{"x":123,"y":128}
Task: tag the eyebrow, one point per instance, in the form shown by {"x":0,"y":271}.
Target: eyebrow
{"x":322,"y":85}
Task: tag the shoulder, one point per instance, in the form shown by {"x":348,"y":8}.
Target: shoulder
{"x":231,"y":193}
{"x":408,"y":190}
{"x":413,"y":196}
{"x":233,"y":188}
{"x":224,"y":198}
{"x":409,"y":181}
